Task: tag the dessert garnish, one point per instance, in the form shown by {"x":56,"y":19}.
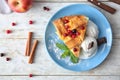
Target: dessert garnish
{"x":8,"y":59}
{"x":74,"y":31}
{"x":101,"y":41}
{"x":66,"y":21}
{"x":67,"y":52}
{"x":8,"y":31}
{"x":74,"y":49}
{"x":31,"y":22}
{"x":13,"y":24}
{"x":30,"y":51}
{"x":27,"y":53}
{"x":91,"y":45}
{"x":46,"y":8}
{"x":33,"y":51}
{"x":2,"y":54}
{"x":30,"y":75}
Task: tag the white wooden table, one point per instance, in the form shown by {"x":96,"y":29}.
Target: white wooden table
{"x":44,"y":67}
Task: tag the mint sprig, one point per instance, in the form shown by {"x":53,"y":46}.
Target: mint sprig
{"x":67,"y":52}
{"x":73,"y":58}
{"x":61,"y":46}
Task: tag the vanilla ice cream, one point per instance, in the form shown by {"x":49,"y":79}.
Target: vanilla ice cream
{"x":89,"y":46}
{"x":92,"y":30}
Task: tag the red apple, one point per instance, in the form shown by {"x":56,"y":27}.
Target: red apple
{"x":20,"y":5}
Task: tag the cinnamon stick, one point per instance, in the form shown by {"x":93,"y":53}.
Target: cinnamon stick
{"x":27,"y":52}
{"x":31,"y":58}
{"x":26,"y":48}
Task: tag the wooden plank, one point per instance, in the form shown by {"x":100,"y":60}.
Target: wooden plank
{"x":60,"y":78}
{"x":14,"y":44}
{"x":44,"y":65}
{"x":64,"y":0}
{"x":41,"y":19}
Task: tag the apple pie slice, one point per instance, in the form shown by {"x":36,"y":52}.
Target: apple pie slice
{"x":72,"y":29}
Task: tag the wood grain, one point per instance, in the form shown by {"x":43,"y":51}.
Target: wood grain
{"x":60,"y":78}
{"x":41,"y":19}
{"x":44,"y":67}
{"x":64,"y":0}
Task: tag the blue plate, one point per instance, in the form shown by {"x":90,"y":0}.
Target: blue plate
{"x":104,"y":30}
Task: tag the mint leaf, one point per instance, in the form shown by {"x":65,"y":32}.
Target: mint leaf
{"x":61,"y":46}
{"x":65,"y":54}
{"x":73,"y":58}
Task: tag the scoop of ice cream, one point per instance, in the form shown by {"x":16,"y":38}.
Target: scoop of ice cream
{"x":89,"y":46}
{"x":92,"y":30}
